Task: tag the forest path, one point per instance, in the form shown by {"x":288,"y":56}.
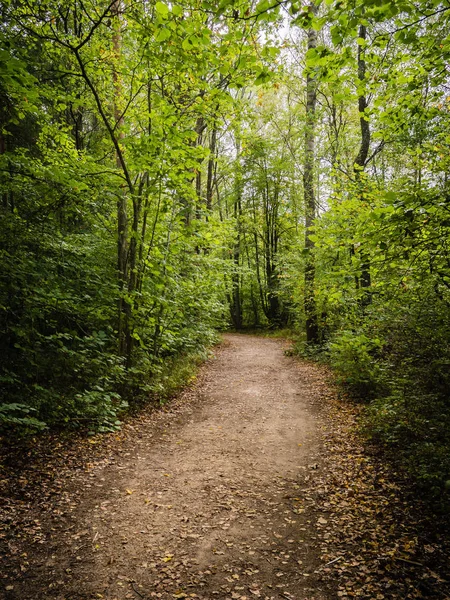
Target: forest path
{"x":208,"y":500}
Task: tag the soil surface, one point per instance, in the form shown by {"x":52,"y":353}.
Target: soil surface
{"x":207,"y":499}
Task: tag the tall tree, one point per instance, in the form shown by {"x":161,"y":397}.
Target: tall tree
{"x":364,"y":280}
{"x":312,"y":327}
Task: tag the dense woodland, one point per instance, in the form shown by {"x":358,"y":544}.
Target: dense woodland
{"x":168,"y":170}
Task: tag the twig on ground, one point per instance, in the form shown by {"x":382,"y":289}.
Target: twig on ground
{"x":410,"y":562}
{"x":137,"y":591}
{"x":333,"y":561}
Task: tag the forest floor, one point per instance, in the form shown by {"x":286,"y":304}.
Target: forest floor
{"x":252,"y":483}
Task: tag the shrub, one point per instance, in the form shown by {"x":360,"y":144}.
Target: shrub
{"x":355,"y":356}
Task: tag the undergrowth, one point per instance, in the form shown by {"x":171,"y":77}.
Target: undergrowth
{"x":136,"y":392}
{"x":400,"y":375}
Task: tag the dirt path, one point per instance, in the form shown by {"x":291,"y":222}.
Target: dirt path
{"x":210,"y":500}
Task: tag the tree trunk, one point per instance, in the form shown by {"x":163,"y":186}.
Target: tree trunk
{"x":236,"y":301}
{"x":211,"y":164}
{"x":122,"y":220}
{"x":360,"y":163}
{"x":5,"y":201}
{"x":312,"y":328}
{"x":199,"y":128}
{"x":363,"y":153}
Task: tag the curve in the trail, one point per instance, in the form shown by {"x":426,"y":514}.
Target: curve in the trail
{"x":206,"y":502}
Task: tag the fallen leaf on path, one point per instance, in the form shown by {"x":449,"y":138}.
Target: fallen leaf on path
{"x":167,"y":558}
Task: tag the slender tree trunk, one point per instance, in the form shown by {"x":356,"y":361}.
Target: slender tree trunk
{"x":363,"y":153}
{"x":3,"y":151}
{"x":134,"y":252}
{"x":192,"y":212}
{"x":236,"y":308}
{"x":199,"y":128}
{"x":211,"y":163}
{"x":122,"y":220}
{"x":236,"y":303}
{"x":257,"y":258}
{"x":360,"y":163}
{"x":253,"y":297}
{"x":312,"y":328}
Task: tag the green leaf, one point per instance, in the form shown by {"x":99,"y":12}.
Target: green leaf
{"x":263,"y":77}
{"x":262,"y":6}
{"x":163,"y":34}
{"x":162,"y":9}
{"x":186,"y":44}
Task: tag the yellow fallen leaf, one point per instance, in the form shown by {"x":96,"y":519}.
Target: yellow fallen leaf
{"x":130,"y":492}
{"x":168,"y":558}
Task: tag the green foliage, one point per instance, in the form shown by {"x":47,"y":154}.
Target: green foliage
{"x":382,"y":280}
{"x":19,"y":418}
{"x":177,"y":373}
{"x":356,"y":358}
{"x":114,"y":265}
{"x":151,"y":193}
{"x":395,"y":352}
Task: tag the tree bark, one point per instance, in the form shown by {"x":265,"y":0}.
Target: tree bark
{"x":199,"y":128}
{"x":363,"y":153}
{"x":312,"y":328}
{"x":211,"y":164}
{"x":124,"y":313}
{"x":360,"y":163}
{"x":236,"y":302}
